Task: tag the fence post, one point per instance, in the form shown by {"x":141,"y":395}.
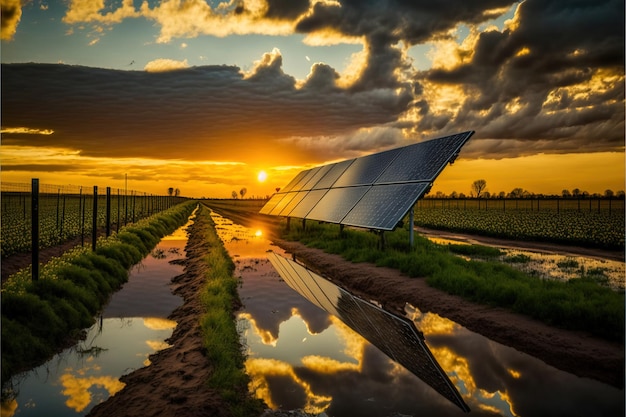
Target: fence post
{"x":83,"y":199}
{"x":35,"y":228}
{"x":108,"y":225}
{"x":94,"y":220}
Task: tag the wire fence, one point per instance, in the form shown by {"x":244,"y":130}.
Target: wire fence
{"x":36,"y":216}
{"x":590,"y":204}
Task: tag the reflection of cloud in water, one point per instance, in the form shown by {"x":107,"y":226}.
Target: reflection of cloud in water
{"x":8,"y":408}
{"x":157,"y":323}
{"x":157,"y":345}
{"x":260,"y":370}
{"x":77,"y":389}
{"x":498,"y":378}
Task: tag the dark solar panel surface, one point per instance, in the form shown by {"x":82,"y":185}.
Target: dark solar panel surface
{"x":365,"y":170}
{"x":383,"y":206}
{"x":336,"y":203}
{"x":373,"y":191}
{"x":395,"y":336}
{"x":423,"y":161}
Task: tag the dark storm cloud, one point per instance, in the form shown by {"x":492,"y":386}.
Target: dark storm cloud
{"x":546,"y":64}
{"x":286,"y":9}
{"x":211,"y":112}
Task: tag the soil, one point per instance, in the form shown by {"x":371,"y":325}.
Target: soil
{"x":175,"y":381}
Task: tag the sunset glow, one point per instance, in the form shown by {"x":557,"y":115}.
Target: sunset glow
{"x":199,"y":96}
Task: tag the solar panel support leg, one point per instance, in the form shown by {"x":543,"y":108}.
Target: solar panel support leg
{"x":341,"y":226}
{"x":411,"y":225}
{"x":303,"y":225}
{"x":381,"y":243}
{"x":288,"y":223}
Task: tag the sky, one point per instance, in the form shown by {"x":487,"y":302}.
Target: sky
{"x":203,"y":95}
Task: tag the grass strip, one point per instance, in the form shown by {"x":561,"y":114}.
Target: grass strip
{"x":41,"y":317}
{"x":577,"y":304}
{"x":220,"y":300}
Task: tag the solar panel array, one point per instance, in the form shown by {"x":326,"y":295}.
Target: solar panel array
{"x":394,"y":335}
{"x":375,"y":191}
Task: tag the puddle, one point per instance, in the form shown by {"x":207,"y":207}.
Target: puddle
{"x":554,"y":266}
{"x":301,"y":357}
{"x":132,"y":326}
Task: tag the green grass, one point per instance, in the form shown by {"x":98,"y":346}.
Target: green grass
{"x":220,"y":299}
{"x":41,"y":317}
{"x":579,"y":304}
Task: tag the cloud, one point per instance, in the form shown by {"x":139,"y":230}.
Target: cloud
{"x":163,"y":65}
{"x":211,"y":112}
{"x":10,"y":13}
{"x":565,"y":95}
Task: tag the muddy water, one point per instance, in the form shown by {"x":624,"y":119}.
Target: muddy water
{"x":133,"y":326}
{"x":300,"y":357}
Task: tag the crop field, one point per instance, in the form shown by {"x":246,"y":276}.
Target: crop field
{"x":66,"y":213}
{"x":599,"y":227}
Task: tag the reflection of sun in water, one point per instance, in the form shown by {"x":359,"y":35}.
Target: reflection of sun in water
{"x":262,"y":176}
{"x":258,"y":233}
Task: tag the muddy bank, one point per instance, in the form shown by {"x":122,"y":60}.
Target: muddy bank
{"x":176,"y":381}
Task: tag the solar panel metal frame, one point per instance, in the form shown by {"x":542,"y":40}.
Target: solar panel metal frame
{"x":396,"y":167}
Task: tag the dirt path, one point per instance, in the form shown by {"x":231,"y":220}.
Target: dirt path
{"x":175,"y":384}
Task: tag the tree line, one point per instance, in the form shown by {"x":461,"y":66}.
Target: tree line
{"x":479,"y":190}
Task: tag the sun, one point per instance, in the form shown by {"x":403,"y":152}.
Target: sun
{"x":262,"y":176}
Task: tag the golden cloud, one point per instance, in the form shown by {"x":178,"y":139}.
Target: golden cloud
{"x":163,"y":65}
{"x":77,"y":389}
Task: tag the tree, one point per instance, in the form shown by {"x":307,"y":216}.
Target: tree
{"x":176,"y":192}
{"x":609,"y":193}
{"x":576,"y":192}
{"x":517,"y":193}
{"x":566,"y":193}
{"x":243,"y":191}
{"x":234,"y":194}
{"x":170,"y":191}
{"x":478,"y":187}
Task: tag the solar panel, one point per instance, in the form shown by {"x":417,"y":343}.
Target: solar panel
{"x":335,"y":172}
{"x":373,"y":191}
{"x":294,"y":181}
{"x":309,"y":174}
{"x":313,"y":180}
{"x":336,"y":203}
{"x":365,"y":170}
{"x":394,"y":335}
{"x":293,"y":203}
{"x":383,"y":206}
{"x":423,"y":161}
{"x":308,"y":202}
{"x":267,"y":208}
{"x":287,"y":197}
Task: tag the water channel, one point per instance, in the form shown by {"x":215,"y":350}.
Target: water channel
{"x":301,"y":357}
{"x":132,"y":326}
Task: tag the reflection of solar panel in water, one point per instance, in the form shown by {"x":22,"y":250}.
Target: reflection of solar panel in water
{"x":336,"y":203}
{"x":385,"y":205}
{"x":397,"y":178}
{"x":394,"y":335}
{"x":365,"y":170}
